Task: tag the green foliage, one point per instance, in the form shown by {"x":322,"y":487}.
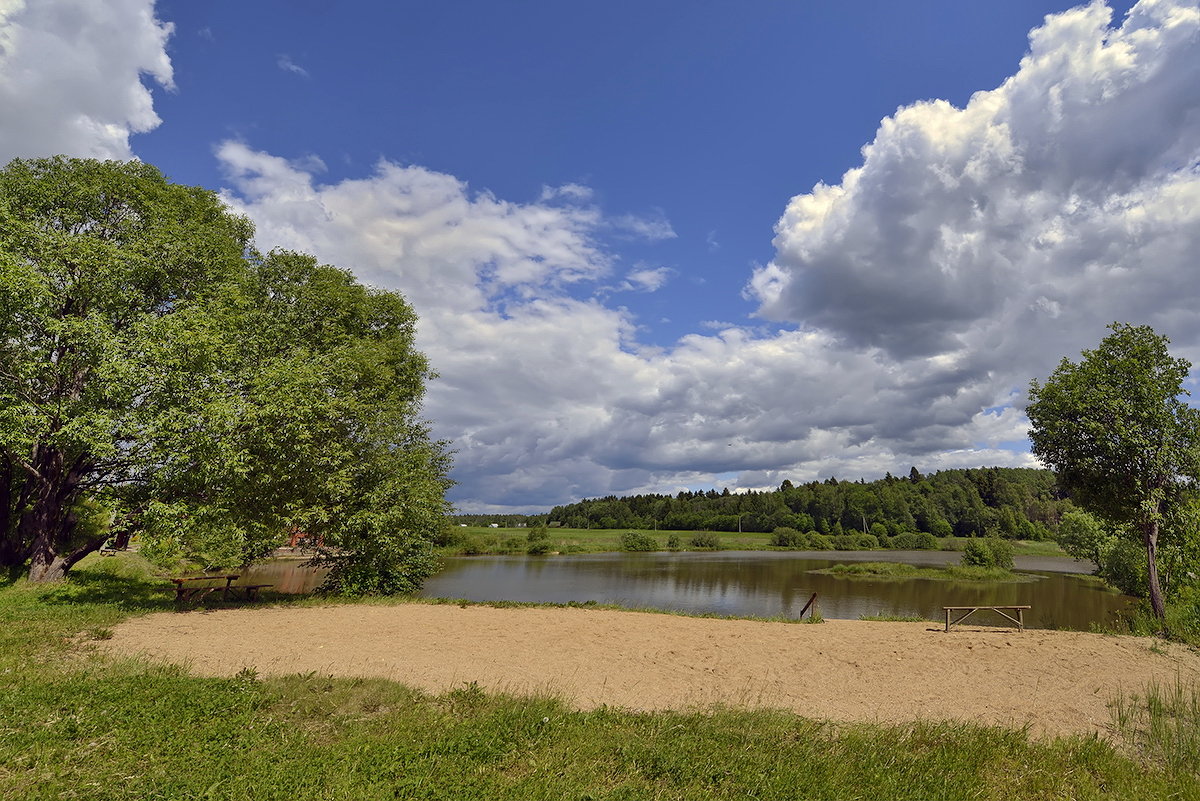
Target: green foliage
{"x":511,"y":545}
{"x":1123,"y":565}
{"x":784,"y":537}
{"x":818,"y":542}
{"x":673,"y":543}
{"x":855,"y":541}
{"x":476,"y":545}
{"x":910,"y":541}
{"x":450,"y":536}
{"x":1123,"y":441}
{"x":1082,"y":536}
{"x":208,"y":397}
{"x":866,"y":541}
{"x":988,"y":552}
{"x":637,"y":541}
{"x":706,"y":540}
{"x":1014,"y":502}
{"x":101,"y":264}
{"x":538,"y":541}
{"x":940,"y":528}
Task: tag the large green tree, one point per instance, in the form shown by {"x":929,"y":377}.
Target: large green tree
{"x":1117,"y":430}
{"x":158,"y":375}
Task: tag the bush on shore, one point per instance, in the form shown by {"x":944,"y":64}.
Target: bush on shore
{"x":637,"y":541}
{"x":988,"y":552}
{"x":913,"y":541}
{"x":706,"y":539}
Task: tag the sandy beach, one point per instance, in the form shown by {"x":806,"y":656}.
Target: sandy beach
{"x":842,"y":670}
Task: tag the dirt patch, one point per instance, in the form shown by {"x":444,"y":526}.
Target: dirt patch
{"x":1056,"y":682}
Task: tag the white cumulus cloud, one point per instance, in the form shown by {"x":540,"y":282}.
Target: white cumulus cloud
{"x":548,"y":398}
{"x":1007,"y":233}
{"x":71,"y":76}
{"x":647,"y":279}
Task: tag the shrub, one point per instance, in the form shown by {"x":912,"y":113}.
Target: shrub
{"x":914,"y":542}
{"x":819,"y":542}
{"x":449,"y":536}
{"x":473,"y":546}
{"x":538,"y":541}
{"x":988,"y":552}
{"x":511,"y":545}
{"x":706,"y":539}
{"x":1123,"y":565}
{"x":784,"y":537}
{"x":940,"y":528}
{"x":866,"y":541}
{"x":1002,"y":553}
{"x":637,"y":541}
{"x":673,"y":543}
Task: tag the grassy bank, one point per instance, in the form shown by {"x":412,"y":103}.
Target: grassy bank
{"x":882,"y":571}
{"x":74,"y":723}
{"x":474,"y":540}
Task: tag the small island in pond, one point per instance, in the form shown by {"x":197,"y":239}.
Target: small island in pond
{"x":876,"y":571}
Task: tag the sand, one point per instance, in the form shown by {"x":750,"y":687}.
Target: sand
{"x":841,"y":670}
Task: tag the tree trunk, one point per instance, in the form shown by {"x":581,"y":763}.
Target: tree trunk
{"x":1150,"y":539}
{"x":39,"y":527}
{"x":48,"y":524}
{"x":46,"y":565}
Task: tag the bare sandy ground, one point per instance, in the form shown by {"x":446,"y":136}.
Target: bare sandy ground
{"x":1056,"y":682}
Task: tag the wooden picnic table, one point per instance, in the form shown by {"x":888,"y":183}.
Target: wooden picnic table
{"x":188,"y":588}
{"x":967,"y":611}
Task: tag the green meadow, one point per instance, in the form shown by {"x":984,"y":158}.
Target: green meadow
{"x":477,"y":540}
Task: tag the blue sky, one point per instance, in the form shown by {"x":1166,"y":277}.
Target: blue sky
{"x":710,"y":115}
{"x":677,"y":244}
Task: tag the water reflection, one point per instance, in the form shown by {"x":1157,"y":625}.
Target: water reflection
{"x":772,"y":584}
{"x":292,"y":576}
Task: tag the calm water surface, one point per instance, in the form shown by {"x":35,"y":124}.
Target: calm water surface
{"x":772,"y":583}
{"x":759,"y":583}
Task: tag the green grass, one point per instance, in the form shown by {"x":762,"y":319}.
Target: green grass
{"x":896,"y":570}
{"x":1163,"y":724}
{"x":77,"y":724}
{"x":579,"y":540}
{"x":895,"y":618}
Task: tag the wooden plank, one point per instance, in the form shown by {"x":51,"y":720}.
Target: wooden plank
{"x":810,"y":603}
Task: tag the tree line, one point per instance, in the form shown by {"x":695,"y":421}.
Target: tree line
{"x":1015,"y":503}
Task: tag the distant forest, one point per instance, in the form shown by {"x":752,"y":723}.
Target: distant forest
{"x":1017,"y":503}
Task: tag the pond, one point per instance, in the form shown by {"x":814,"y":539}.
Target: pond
{"x":754,"y":583}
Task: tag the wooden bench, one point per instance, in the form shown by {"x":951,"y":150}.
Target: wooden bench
{"x":249,"y":591}
{"x":190,"y":588}
{"x":967,"y":611}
